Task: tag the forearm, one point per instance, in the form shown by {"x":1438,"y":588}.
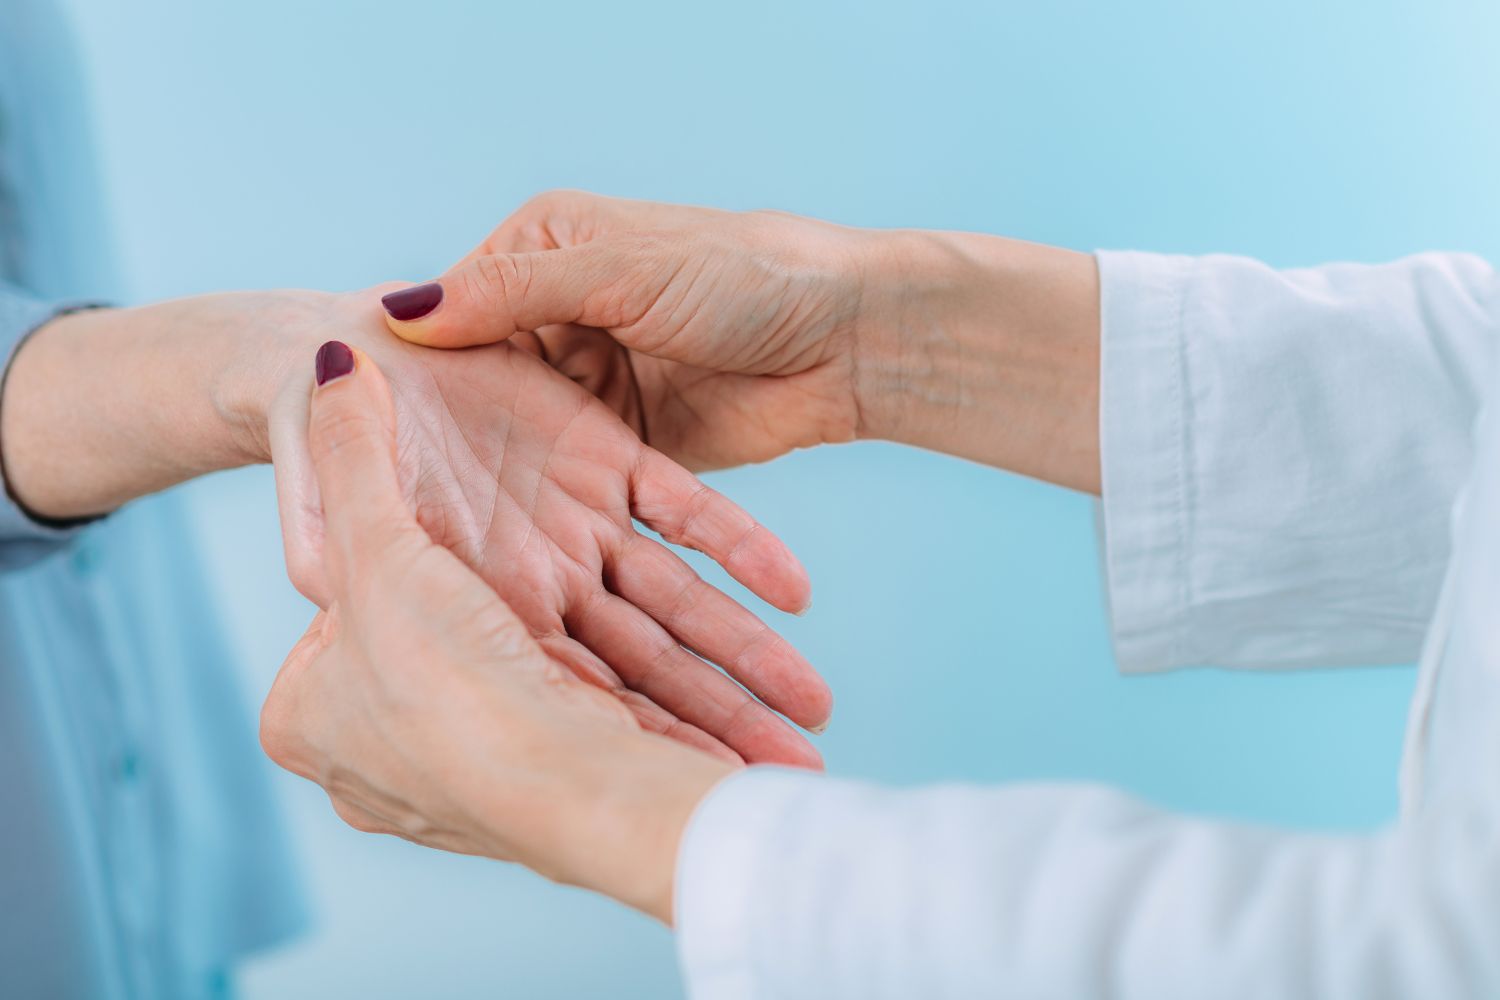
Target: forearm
{"x":984,"y":348}
{"x":103,"y":406}
{"x":627,"y":802}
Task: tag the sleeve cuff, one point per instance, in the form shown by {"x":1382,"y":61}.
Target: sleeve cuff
{"x":20,"y":317}
{"x":720,"y":866}
{"x":1143,"y":444}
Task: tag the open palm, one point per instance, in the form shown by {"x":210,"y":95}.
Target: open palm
{"x":536,"y":485}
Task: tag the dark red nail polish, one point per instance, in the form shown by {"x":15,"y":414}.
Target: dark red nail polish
{"x":335,"y":360}
{"x":414,"y":302}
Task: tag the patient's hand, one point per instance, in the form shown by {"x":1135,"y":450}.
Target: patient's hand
{"x":534,"y":483}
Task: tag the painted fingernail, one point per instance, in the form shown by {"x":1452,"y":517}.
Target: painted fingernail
{"x":335,"y":360}
{"x":413,"y":303}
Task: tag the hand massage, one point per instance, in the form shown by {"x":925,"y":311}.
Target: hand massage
{"x":484,"y":480}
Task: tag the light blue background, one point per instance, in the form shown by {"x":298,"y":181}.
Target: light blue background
{"x":959,"y":614}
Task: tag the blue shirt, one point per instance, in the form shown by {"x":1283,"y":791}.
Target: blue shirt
{"x":140,"y":850}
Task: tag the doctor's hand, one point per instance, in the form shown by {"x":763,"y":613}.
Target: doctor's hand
{"x":722,"y":338}
{"x":534,"y":484}
{"x":726,"y":338}
{"x":425,"y":708}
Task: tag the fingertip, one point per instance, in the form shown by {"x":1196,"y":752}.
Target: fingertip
{"x":803,"y":602}
{"x":813,"y":763}
{"x":825,"y":708}
{"x":775,"y":742}
{"x":799,"y":754}
{"x":721,"y":752}
{"x":333,"y":366}
{"x":775,"y":575}
{"x":410,"y":313}
{"x":806,"y":607}
{"x":815,"y":704}
{"x":334,"y":360}
{"x":407,"y":305}
{"x":792,"y":588}
{"x":827,"y":715}
{"x":351,"y":442}
{"x":783,"y":678}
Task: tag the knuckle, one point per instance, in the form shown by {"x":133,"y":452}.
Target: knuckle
{"x":560,"y":201}
{"x":508,"y":638}
{"x":497,"y":281}
{"x":277,"y":734}
{"x":662,"y":657}
{"x":304,"y":569}
{"x":549,"y":201}
{"x":560,"y":217}
{"x":629,"y":275}
{"x":690,"y":517}
{"x":283,"y":726}
{"x":354,"y":815}
{"x":688,"y":595}
{"x":746,"y":534}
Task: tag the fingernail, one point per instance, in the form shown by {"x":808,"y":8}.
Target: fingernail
{"x":413,"y":303}
{"x":335,"y":360}
{"x":821,"y":727}
{"x":805,"y":609}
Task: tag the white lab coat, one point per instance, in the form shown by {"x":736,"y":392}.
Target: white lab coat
{"x":1282,"y":452}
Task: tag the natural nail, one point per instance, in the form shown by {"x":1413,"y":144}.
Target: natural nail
{"x":335,"y":360}
{"x":413,"y":303}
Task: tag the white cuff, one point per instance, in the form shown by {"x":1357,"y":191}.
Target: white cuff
{"x":1143,"y":443}
{"x":721,"y":877}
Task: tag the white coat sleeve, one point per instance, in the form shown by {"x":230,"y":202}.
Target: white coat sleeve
{"x":1281,"y":450}
{"x":792,"y":885}
{"x":1300,"y":503}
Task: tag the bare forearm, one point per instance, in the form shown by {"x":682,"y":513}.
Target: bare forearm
{"x":103,"y":406}
{"x":984,"y":348}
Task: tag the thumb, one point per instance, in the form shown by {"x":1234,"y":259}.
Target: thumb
{"x":351,"y":439}
{"x":604,"y":283}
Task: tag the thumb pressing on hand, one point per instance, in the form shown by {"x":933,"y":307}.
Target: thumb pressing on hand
{"x":488,"y":299}
{"x":351,"y":437}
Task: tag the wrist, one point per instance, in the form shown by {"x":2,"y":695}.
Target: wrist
{"x":982,"y":347}
{"x":899,"y":339}
{"x":267,"y":338}
{"x":103,"y":406}
{"x":633,"y":802}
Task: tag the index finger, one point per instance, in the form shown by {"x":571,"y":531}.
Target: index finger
{"x":555,"y":220}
